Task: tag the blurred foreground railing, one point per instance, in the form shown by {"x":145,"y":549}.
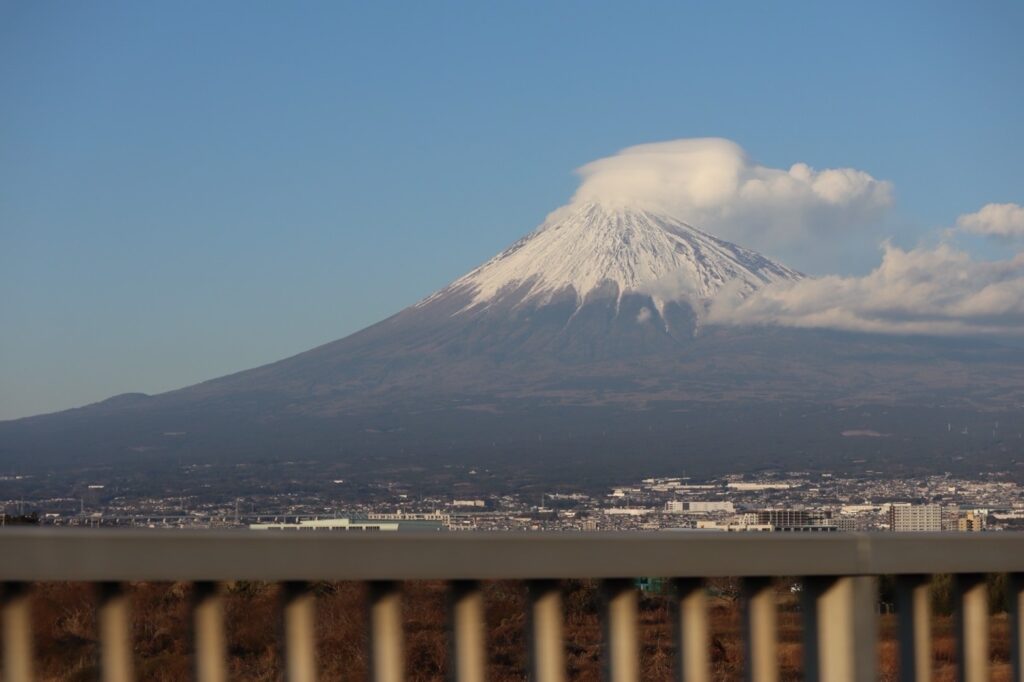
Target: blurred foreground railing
{"x":838,"y":574}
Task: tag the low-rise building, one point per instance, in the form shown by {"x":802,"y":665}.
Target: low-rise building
{"x":971,"y":522}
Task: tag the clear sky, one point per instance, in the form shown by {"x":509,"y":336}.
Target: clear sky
{"x":190,"y":189}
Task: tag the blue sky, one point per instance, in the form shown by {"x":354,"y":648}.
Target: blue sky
{"x":190,"y":189}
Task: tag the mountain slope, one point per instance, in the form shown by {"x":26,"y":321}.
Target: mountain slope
{"x":595,"y":319}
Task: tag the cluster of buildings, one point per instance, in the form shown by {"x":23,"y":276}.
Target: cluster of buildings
{"x":816,"y":503}
{"x":797,"y":502}
{"x":792,"y":502}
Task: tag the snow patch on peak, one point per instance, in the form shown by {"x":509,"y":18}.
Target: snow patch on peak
{"x":586,"y":247}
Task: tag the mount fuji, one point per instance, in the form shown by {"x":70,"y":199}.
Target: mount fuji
{"x":584,"y":344}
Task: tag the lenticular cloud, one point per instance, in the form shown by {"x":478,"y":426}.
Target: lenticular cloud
{"x":712,"y":183}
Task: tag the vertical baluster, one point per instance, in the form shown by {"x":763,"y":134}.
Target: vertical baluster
{"x":760,"y":639}
{"x":467,"y":631}
{"x":208,"y":632}
{"x":972,"y":627}
{"x":115,"y":633}
{"x":387,"y":658}
{"x":547,"y":653}
{"x":691,"y":631}
{"x":16,"y":626}
{"x":914,"y":614}
{"x":298,"y":616}
{"x":840,"y":629}
{"x":1017,"y":625}
{"x":622,"y":659}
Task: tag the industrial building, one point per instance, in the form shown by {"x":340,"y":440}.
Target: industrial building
{"x":352,"y":525}
{"x":698,"y":507}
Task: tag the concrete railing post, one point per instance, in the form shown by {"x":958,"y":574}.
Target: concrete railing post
{"x":298,"y":617}
{"x":840,"y":629}
{"x":209,"y":642}
{"x":467,"y":632}
{"x":115,"y":634}
{"x":387,"y":650}
{"x":972,"y":627}
{"x":16,"y":629}
{"x":547,"y":652}
{"x":760,"y":638}
{"x":691,"y":631}
{"x":622,"y":641}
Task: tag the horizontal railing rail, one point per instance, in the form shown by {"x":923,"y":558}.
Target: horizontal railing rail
{"x":105,"y":555}
{"x":838,"y":574}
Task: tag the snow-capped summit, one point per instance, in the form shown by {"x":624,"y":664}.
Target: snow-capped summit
{"x":587,"y":247}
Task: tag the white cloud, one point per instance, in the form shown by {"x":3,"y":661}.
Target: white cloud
{"x":1005,"y":221}
{"x":712,"y":184}
{"x":936,"y":290}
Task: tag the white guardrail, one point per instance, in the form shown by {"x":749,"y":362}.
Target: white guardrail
{"x":839,"y":573}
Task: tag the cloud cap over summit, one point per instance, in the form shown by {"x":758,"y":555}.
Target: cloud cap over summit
{"x":713,"y":183}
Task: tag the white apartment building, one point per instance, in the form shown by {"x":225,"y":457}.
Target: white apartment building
{"x":915,"y":518}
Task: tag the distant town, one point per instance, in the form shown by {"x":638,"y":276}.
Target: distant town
{"x":799,"y":502}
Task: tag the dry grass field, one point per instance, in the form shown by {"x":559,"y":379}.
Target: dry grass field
{"x":67,"y":646}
